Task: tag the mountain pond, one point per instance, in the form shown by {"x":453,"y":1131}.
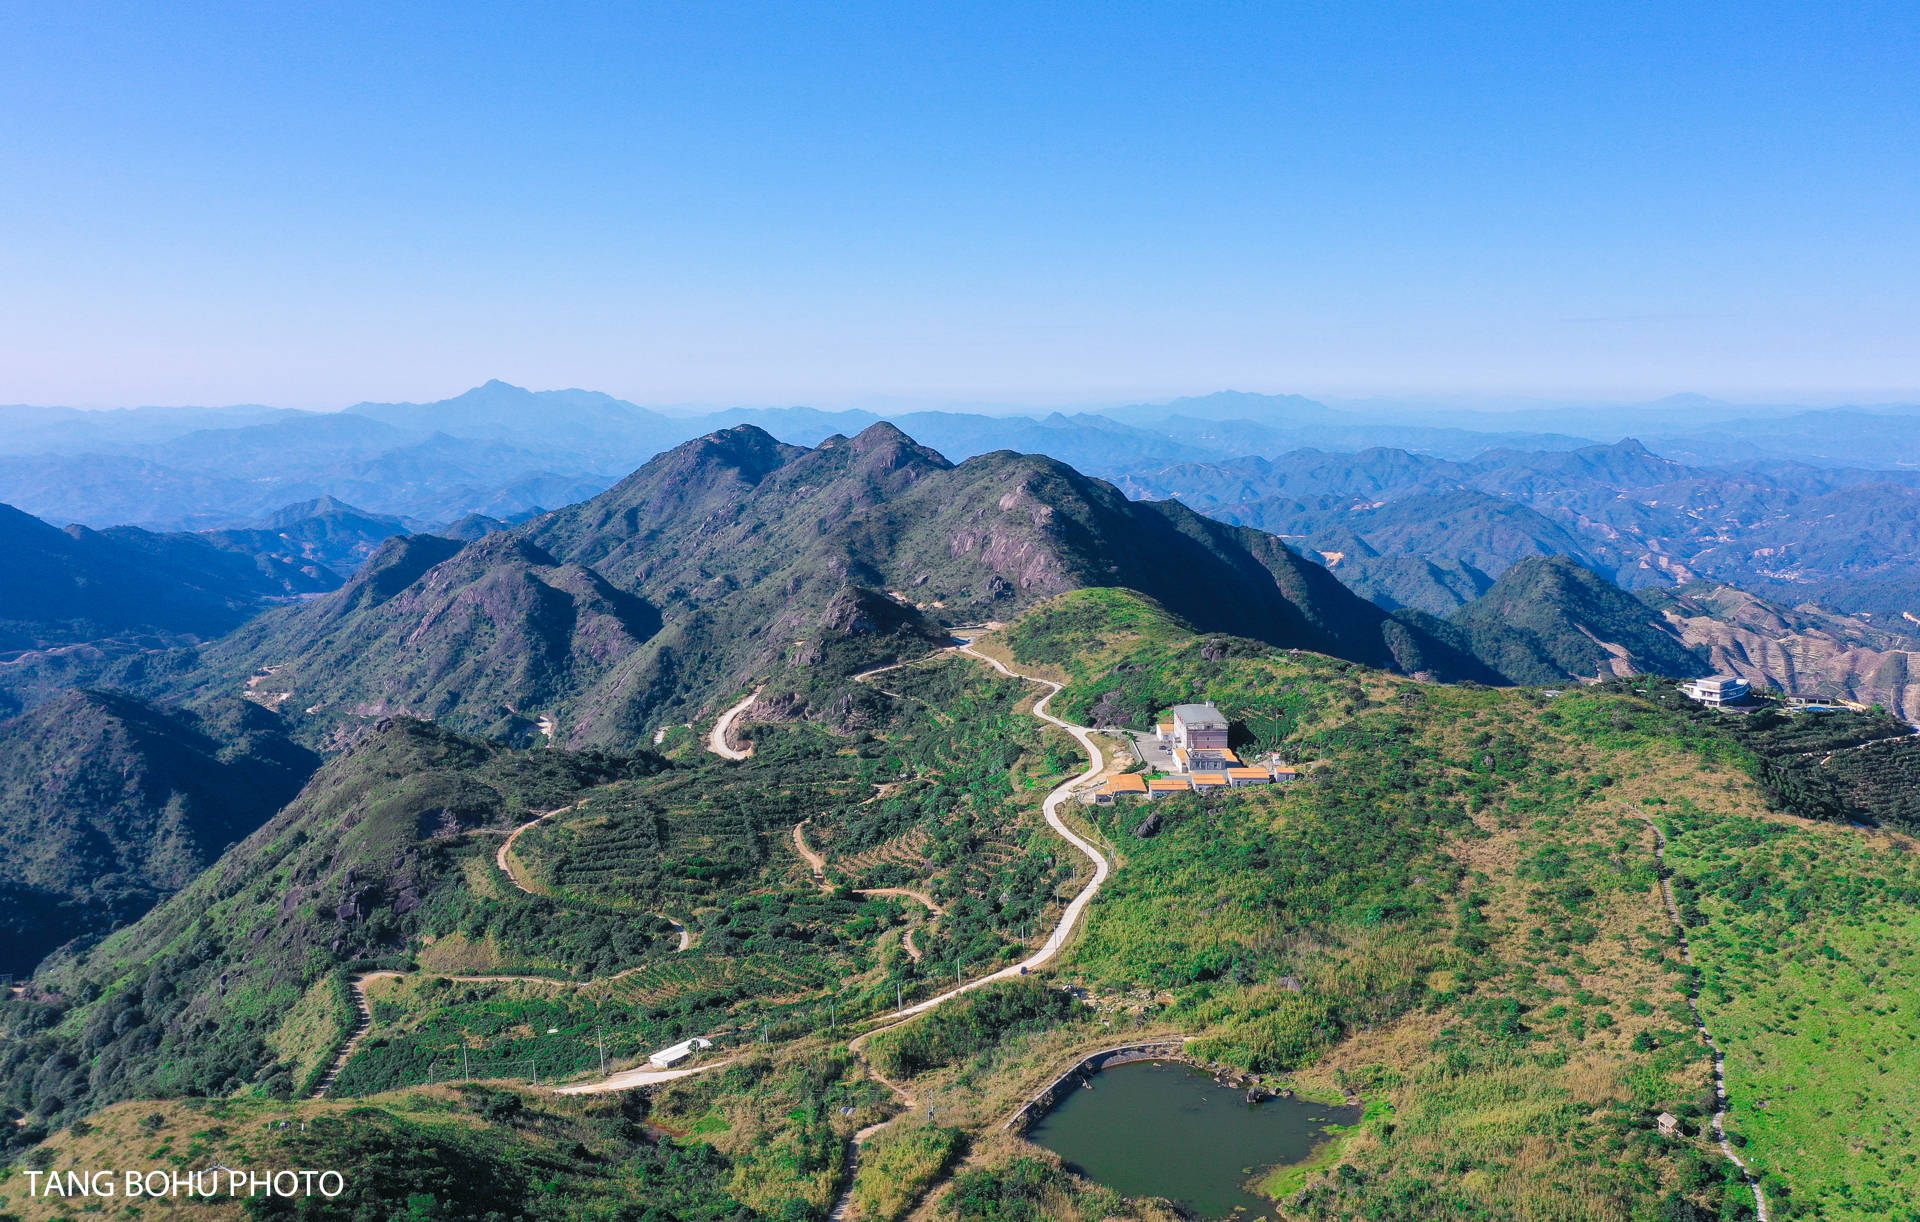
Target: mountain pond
{"x":1166,"y":1129}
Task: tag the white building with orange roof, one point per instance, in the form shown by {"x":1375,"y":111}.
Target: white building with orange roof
{"x":1167,"y":786}
{"x":1125,"y":785}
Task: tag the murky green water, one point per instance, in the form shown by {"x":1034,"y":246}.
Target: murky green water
{"x":1164,"y":1129}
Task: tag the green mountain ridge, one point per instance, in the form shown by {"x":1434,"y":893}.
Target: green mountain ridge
{"x":108,"y":804}
{"x":1549,"y":620}
{"x":185,"y":1000}
{"x":1456,"y":914}
{"x":735,"y":560}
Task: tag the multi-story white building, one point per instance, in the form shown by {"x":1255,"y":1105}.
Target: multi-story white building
{"x":1199,"y":727}
{"x":1720,"y":689}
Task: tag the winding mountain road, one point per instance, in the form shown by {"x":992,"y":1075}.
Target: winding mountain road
{"x":1699,"y":1020}
{"x":647,"y":1076}
{"x":1051,"y":947}
{"x":723,"y":729}
{"x":818,"y":864}
{"x":1051,"y":810}
{"x":815,"y":862}
{"x":502,"y":858}
{"x":1056,"y":941}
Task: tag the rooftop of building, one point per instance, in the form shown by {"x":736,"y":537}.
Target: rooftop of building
{"x":1199,"y":715}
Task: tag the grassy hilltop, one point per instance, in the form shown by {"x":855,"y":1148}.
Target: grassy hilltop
{"x":1455,"y":918}
{"x":1465,"y":895}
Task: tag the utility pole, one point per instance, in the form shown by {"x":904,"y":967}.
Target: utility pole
{"x":602,"y":1041}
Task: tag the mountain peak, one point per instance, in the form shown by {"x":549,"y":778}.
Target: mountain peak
{"x":321,"y":506}
{"x":1550,"y":619}
{"x":884,"y":438}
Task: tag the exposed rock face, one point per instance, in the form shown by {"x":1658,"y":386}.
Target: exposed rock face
{"x":1112,"y":712}
{"x":736,"y":559}
{"x":1802,"y":651}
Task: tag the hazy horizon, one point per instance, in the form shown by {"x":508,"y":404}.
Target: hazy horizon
{"x":979,"y":204}
{"x":1412,"y":404}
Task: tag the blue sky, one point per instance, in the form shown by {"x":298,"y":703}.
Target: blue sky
{"x":312,"y":205}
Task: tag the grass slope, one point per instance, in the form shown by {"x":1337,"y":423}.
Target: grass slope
{"x":1457,"y":917}
{"x":475,"y":1153}
{"x":1809,"y":947}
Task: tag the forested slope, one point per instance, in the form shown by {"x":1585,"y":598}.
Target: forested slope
{"x":109,"y":804}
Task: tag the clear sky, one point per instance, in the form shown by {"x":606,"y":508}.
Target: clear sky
{"x":314,"y":204}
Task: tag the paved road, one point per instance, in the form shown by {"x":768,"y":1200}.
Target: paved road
{"x":1051,"y":809}
{"x":1055,"y":941}
{"x":631,"y":1078}
{"x":723,"y":728}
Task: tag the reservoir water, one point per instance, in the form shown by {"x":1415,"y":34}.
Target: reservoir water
{"x":1165,"y":1129}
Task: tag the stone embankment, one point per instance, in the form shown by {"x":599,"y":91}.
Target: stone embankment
{"x":1040,"y":1104}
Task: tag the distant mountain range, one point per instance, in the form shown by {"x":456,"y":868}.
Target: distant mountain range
{"x":79,"y":584}
{"x":500,"y":450}
{"x":609,"y":606}
{"x":737,"y":563}
{"x":736,"y":560}
{"x":1846,"y":535}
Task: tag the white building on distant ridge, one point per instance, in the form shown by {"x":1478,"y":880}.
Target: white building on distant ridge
{"x":1721,"y":689}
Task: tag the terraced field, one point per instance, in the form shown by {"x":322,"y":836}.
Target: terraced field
{"x":770,"y":960}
